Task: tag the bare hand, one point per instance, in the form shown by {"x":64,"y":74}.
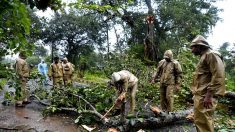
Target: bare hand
{"x":24,"y":79}
{"x":177,"y":88}
{"x":207,"y":101}
{"x":152,"y":81}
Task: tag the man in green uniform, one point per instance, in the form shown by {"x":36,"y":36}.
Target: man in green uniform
{"x":170,"y":73}
{"x":55,"y":73}
{"x":208,"y":83}
{"x":68,"y":69}
{"x":22,"y":70}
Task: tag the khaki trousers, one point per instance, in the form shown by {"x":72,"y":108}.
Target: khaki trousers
{"x":167,"y":97}
{"x":58,"y":82}
{"x":203,"y":118}
{"x":131,"y":93}
{"x":67,"y":80}
{"x":24,"y":91}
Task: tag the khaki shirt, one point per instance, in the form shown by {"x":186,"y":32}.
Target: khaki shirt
{"x":55,"y":70}
{"x":169,"y":72}
{"x":22,"y":68}
{"x":128,"y":78}
{"x":209,"y":75}
{"x":68,"y":68}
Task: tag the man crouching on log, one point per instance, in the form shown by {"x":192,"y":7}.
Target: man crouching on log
{"x":124,"y":82}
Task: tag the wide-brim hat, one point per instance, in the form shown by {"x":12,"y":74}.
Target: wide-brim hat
{"x":200,"y":40}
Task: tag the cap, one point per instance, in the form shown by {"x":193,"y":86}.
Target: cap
{"x":65,"y":58}
{"x":116,"y":77}
{"x":168,"y":54}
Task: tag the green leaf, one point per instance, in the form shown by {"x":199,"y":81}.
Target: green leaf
{"x":78,"y":119}
{"x":132,"y":122}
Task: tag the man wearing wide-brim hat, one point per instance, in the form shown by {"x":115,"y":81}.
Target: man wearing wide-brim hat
{"x":208,"y":83}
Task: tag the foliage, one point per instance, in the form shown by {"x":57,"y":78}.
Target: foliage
{"x":33,"y":60}
{"x":98,"y":95}
{"x":15,"y":25}
{"x":224,"y":119}
{"x":175,"y":21}
{"x":2,"y":83}
{"x":96,"y":76}
{"x":229,"y":59}
{"x":78,"y":34}
{"x":188,"y":63}
{"x":43,"y":4}
{"x":40,"y":51}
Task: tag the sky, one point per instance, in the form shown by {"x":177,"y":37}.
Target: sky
{"x":224,"y":31}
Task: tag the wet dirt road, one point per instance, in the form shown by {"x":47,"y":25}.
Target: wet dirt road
{"x":30,"y":119}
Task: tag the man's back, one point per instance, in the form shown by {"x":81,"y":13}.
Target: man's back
{"x":170,"y":71}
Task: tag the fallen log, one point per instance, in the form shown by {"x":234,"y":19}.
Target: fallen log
{"x":137,"y":123}
{"x":155,"y":122}
{"x":230,"y":95}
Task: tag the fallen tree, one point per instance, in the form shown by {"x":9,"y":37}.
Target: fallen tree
{"x":132,"y":123}
{"x":230,"y":95}
{"x":139,"y":121}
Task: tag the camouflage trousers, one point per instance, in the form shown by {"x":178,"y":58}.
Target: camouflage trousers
{"x":167,"y":97}
{"x":203,"y":118}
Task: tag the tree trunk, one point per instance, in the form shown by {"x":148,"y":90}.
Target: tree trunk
{"x":230,"y":95}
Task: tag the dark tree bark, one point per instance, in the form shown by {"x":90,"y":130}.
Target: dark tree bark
{"x":230,"y":95}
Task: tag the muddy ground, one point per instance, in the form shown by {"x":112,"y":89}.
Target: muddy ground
{"x":30,"y":119}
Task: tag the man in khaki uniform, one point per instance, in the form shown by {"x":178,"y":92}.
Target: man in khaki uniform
{"x":170,"y":73}
{"x":208,"y":83}
{"x":22,"y":70}
{"x":68,"y":69}
{"x":126,"y":82}
{"x":55,"y":72}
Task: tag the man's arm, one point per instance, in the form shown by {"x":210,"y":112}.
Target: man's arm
{"x":158,"y":71}
{"x":50,"y":72}
{"x":217,"y":70}
{"x":19,"y":67}
{"x":178,"y":75}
